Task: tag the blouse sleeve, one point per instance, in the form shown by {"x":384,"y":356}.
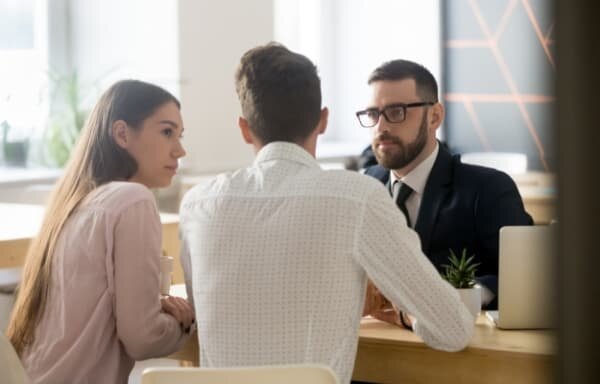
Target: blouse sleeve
{"x":143,"y":328}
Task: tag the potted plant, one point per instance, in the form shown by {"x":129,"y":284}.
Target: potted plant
{"x":15,"y":149}
{"x":460,"y":273}
{"x":67,"y":116}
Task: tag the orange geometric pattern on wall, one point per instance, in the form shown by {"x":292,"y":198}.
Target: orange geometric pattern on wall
{"x":500,"y":38}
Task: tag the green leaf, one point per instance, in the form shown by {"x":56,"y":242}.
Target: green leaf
{"x":460,"y":272}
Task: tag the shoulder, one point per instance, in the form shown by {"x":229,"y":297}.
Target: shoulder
{"x":478,"y":171}
{"x":210,"y":186}
{"x":349,"y":185}
{"x":334,"y":183}
{"x":117,"y":196}
{"x":480,"y":176}
{"x":380,"y":173}
{"x":127,"y":192}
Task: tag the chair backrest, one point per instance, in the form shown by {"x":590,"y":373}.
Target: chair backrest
{"x":10,"y":364}
{"x":281,"y":374}
{"x":511,"y":163}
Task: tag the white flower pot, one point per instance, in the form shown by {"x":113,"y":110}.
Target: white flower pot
{"x":472,"y":299}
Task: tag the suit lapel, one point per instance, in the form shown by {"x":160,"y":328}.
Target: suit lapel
{"x":381,"y":174}
{"x":436,"y":190}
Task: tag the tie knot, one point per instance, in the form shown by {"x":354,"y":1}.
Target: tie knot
{"x":401,"y":191}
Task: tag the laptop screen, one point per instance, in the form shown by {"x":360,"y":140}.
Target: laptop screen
{"x":526,"y":277}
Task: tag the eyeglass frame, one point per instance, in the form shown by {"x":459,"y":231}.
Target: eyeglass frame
{"x":396,"y":105}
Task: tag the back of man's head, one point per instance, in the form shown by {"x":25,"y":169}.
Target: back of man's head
{"x":279,"y":92}
{"x":393,"y":70}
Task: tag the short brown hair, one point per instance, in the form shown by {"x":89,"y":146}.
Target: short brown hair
{"x":279,"y":92}
{"x":427,"y":87}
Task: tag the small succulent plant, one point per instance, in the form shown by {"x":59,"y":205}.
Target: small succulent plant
{"x":460,"y":273}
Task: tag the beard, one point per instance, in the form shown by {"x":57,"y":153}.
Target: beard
{"x":405,"y":153}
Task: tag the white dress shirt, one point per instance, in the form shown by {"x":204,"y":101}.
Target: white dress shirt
{"x":276,"y":258}
{"x":416,"y":180}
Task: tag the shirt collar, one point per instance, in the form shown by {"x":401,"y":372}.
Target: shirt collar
{"x":280,"y":150}
{"x":417,"y":178}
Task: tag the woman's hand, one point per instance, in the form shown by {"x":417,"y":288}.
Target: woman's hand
{"x":180,"y":309}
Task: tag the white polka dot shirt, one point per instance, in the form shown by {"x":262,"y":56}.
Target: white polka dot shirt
{"x":276,"y":258}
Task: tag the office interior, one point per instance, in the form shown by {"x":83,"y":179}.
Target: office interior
{"x":517,"y":77}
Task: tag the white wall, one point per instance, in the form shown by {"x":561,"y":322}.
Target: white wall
{"x":190,"y":47}
{"x":348,"y":39}
{"x":213,"y":37}
{"x":112,"y":40}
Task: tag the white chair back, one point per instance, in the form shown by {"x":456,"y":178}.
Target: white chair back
{"x":511,"y":163}
{"x":283,"y":374}
{"x":11,"y":369}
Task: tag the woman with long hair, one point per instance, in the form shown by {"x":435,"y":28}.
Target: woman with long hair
{"x":89,"y":303}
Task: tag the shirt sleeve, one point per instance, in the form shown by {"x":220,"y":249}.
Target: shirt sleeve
{"x":390,"y":253}
{"x":186,"y":264}
{"x":143,"y":328}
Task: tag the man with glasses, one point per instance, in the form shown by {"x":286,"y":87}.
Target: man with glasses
{"x":449,"y":204}
{"x":276,"y":255}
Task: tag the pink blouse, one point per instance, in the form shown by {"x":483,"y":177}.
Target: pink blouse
{"x":103,"y":309}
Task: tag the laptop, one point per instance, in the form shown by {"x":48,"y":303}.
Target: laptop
{"x":526,"y":278}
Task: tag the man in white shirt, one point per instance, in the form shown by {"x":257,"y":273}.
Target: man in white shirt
{"x":277,"y":255}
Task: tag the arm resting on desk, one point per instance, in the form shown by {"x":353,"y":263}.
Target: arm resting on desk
{"x":391,"y":256}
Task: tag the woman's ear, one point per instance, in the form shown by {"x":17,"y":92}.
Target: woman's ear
{"x":120,"y":133}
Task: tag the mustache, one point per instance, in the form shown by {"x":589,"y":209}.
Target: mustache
{"x":387,"y":137}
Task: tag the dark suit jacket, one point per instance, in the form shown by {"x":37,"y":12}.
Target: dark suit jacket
{"x":464,"y":206}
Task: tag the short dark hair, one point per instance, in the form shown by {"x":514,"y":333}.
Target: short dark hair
{"x":279,"y":92}
{"x":427,"y":87}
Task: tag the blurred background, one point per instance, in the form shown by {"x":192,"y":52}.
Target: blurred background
{"x":494,"y":61}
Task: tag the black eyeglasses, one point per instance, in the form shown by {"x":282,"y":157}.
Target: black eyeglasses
{"x":395,"y":113}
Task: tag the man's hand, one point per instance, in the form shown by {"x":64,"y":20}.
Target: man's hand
{"x":392,"y":316}
{"x":388,"y":315}
{"x":377,"y":306}
{"x":374,"y":300}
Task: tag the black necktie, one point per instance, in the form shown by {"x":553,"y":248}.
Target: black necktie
{"x":401,"y":191}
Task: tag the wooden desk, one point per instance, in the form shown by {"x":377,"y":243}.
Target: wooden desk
{"x":538,"y":190}
{"x":19,"y":223}
{"x":388,"y":354}
{"x":540,"y":203}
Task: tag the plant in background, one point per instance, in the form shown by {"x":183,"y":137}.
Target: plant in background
{"x":460,"y":273}
{"x":67,"y":117}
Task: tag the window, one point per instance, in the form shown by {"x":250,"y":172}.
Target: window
{"x":347,"y":39}
{"x":23,"y":78}
{"x":52,"y":72}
